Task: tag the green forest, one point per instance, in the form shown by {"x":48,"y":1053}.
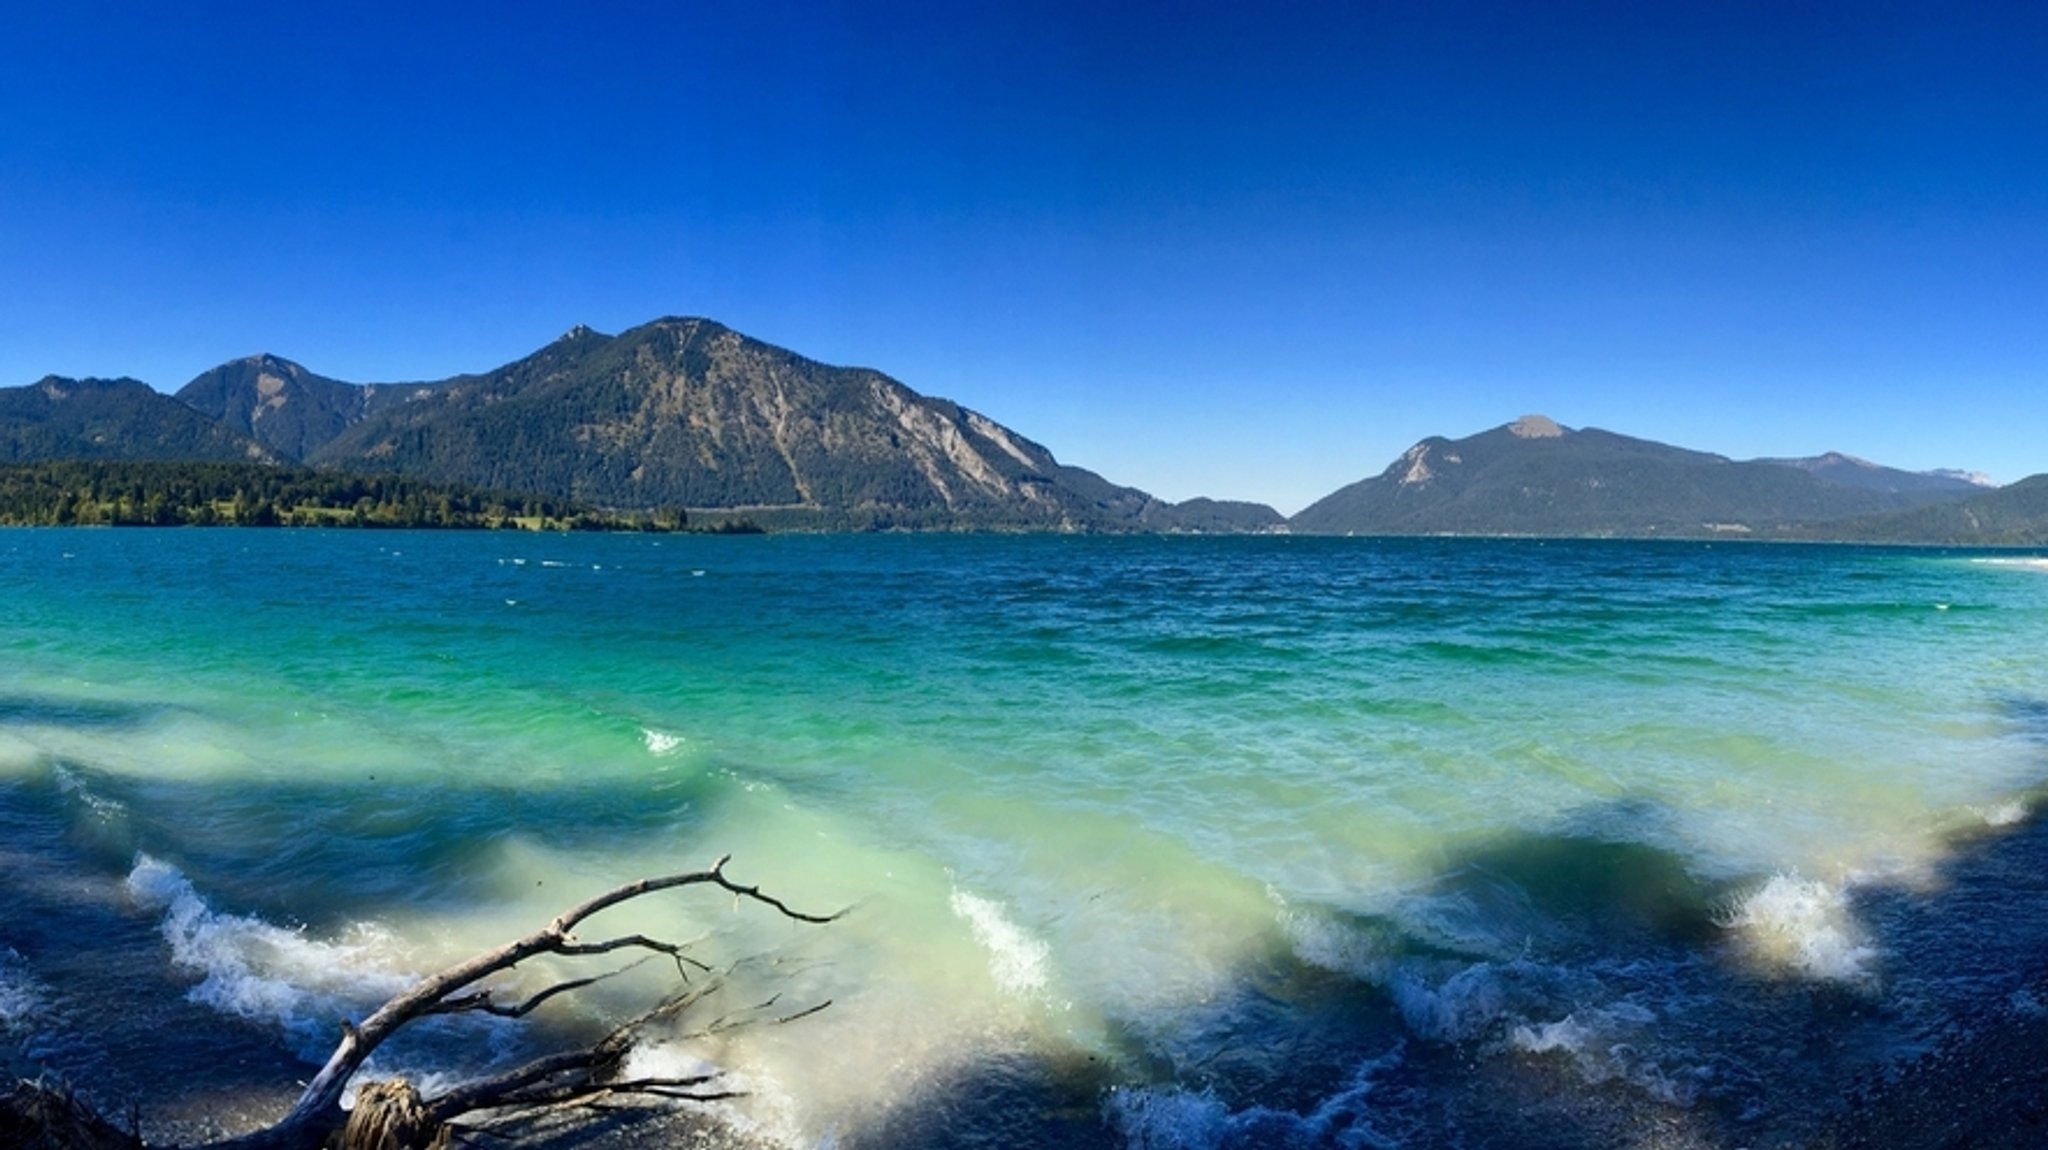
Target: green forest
{"x":174,"y":494}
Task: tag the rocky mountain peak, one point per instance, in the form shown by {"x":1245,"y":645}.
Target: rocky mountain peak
{"x":1536,"y":427}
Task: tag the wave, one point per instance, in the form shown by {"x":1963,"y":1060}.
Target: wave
{"x":2010,"y":813}
{"x":1017,"y":960}
{"x":1482,"y":1000}
{"x":1611,"y":1044}
{"x":264,"y":973}
{"x":661,"y":742}
{"x":1175,"y":1118}
{"x":1326,"y":942}
{"x":768,"y":1122}
{"x":1803,"y":926}
{"x":72,"y":786}
{"x":21,"y":993}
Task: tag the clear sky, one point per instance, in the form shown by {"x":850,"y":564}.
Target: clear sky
{"x":1240,"y":250}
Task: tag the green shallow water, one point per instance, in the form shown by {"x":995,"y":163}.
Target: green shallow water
{"x":1074,"y":788}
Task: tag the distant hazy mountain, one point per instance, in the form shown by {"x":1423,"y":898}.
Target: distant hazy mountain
{"x":1535,"y":477}
{"x":1223,"y":516}
{"x":57,"y":418}
{"x":285,"y":407}
{"x":688,"y":413}
{"x":1849,"y":471}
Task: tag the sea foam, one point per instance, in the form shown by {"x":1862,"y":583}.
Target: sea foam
{"x":21,"y":995}
{"x":660,"y":742}
{"x":1017,"y":960}
{"x":769,"y":1116}
{"x":1611,"y":1044}
{"x":1328,"y":943}
{"x":2011,"y":812}
{"x":1483,"y":999}
{"x":257,"y":970}
{"x":1805,"y":927}
{"x":72,"y":786}
{"x":1174,"y":1118}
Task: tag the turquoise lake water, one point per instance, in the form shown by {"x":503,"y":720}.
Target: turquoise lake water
{"x":1169,"y":842}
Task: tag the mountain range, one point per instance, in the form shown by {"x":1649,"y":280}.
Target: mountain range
{"x":57,"y":418}
{"x":1537,"y":477}
{"x":687,"y":413}
{"x":682,"y":413}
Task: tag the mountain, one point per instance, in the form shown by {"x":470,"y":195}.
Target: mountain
{"x":1849,"y":471}
{"x":58,"y":418}
{"x":689,"y":413}
{"x":1224,"y":516}
{"x":2009,"y":516}
{"x":288,"y":409}
{"x":1537,"y":477}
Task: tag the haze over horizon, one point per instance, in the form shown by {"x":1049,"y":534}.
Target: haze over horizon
{"x":1200,"y":249}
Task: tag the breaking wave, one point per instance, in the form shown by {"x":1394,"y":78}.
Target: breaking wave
{"x":1017,"y":960}
{"x":660,"y":742}
{"x":1174,"y":1118}
{"x":1804,"y":927}
{"x":262,"y":972}
{"x":2010,"y":813}
{"x":1613,"y":1044}
{"x":72,"y":786}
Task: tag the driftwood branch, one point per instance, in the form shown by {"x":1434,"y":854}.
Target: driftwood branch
{"x":395,"y":1116}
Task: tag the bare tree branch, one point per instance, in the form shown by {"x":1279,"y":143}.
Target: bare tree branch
{"x":571,"y":1078}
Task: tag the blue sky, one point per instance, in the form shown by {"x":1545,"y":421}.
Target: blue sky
{"x":1200,"y":248}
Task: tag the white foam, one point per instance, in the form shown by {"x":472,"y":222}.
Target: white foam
{"x":260,"y":971}
{"x":2028,"y":564}
{"x":767,"y":1119}
{"x":1483,"y":999}
{"x":1605,"y":1046}
{"x":1173,"y":1118}
{"x":660,"y":742}
{"x":1017,"y":960}
{"x":1805,"y":927}
{"x":1329,"y":944}
{"x":21,"y":995}
{"x":665,"y":1060}
{"x":1567,"y":1034}
{"x":2009,"y":813}
{"x":72,"y":786}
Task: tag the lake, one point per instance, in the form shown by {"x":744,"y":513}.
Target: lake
{"x":1144,"y":842}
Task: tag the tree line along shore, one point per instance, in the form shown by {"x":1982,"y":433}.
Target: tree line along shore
{"x":88,"y":493}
